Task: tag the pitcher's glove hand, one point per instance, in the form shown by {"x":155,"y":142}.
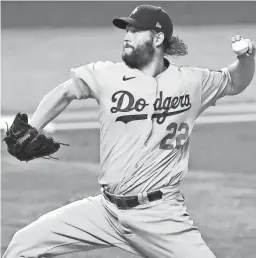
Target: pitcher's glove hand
{"x":25,"y":142}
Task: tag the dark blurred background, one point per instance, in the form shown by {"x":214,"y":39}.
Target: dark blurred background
{"x":81,"y":14}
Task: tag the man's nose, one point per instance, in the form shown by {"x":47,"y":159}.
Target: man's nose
{"x":127,"y":37}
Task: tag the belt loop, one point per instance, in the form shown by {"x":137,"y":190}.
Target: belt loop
{"x":143,"y":198}
{"x":102,"y":189}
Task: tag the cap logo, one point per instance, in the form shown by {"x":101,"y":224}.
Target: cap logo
{"x":135,"y":10}
{"x":158,"y":25}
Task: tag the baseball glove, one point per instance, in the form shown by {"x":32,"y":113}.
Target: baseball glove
{"x":25,"y":142}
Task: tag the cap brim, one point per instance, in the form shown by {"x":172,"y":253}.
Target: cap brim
{"x":121,"y":23}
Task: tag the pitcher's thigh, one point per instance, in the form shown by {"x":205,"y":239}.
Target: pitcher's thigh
{"x":164,"y":229}
{"x":178,"y":245}
{"x":79,"y":226}
{"x":189,"y":244}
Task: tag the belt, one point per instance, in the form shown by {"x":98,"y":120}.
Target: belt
{"x":124,"y":202}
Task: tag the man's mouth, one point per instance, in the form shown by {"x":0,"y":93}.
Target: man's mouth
{"x":128,"y":46}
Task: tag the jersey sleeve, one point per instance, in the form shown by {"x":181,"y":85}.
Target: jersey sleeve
{"x":86,"y":79}
{"x":215,"y":85}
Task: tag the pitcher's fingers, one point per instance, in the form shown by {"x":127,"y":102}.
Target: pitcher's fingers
{"x":250,"y":46}
{"x":238,"y":37}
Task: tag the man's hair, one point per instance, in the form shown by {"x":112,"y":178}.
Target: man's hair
{"x":175,"y":46}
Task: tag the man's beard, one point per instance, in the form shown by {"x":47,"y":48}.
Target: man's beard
{"x":140,"y":56}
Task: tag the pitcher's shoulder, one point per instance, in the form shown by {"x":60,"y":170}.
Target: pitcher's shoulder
{"x":178,"y":67}
{"x":194,"y":71}
{"x":185,"y":68}
{"x":103,"y":65}
{"x":109,"y":66}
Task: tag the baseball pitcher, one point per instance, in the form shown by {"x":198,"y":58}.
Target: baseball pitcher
{"x":148,"y":108}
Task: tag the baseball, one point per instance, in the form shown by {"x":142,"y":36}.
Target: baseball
{"x":240,"y":47}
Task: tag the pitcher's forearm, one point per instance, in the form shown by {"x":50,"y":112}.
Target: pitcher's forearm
{"x":51,"y":106}
{"x":241,"y":72}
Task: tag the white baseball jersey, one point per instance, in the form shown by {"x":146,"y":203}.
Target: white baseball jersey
{"x":146,"y":122}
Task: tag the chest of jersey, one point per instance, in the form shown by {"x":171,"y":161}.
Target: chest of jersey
{"x":144,"y":121}
{"x":137,"y":97}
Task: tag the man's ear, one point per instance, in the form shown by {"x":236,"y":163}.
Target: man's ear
{"x":159,"y":38}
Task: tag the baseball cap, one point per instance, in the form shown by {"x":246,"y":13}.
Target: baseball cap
{"x":147,"y":17}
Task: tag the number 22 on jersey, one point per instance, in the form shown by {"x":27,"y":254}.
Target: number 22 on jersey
{"x":181,"y":133}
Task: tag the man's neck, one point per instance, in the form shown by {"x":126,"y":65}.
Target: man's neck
{"x":154,"y":68}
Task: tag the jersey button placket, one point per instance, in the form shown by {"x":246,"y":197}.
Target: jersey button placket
{"x":150,"y":115}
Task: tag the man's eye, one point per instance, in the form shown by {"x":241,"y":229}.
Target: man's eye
{"x":132,"y":30}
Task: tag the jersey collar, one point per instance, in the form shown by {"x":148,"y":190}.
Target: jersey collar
{"x":167,"y":63}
